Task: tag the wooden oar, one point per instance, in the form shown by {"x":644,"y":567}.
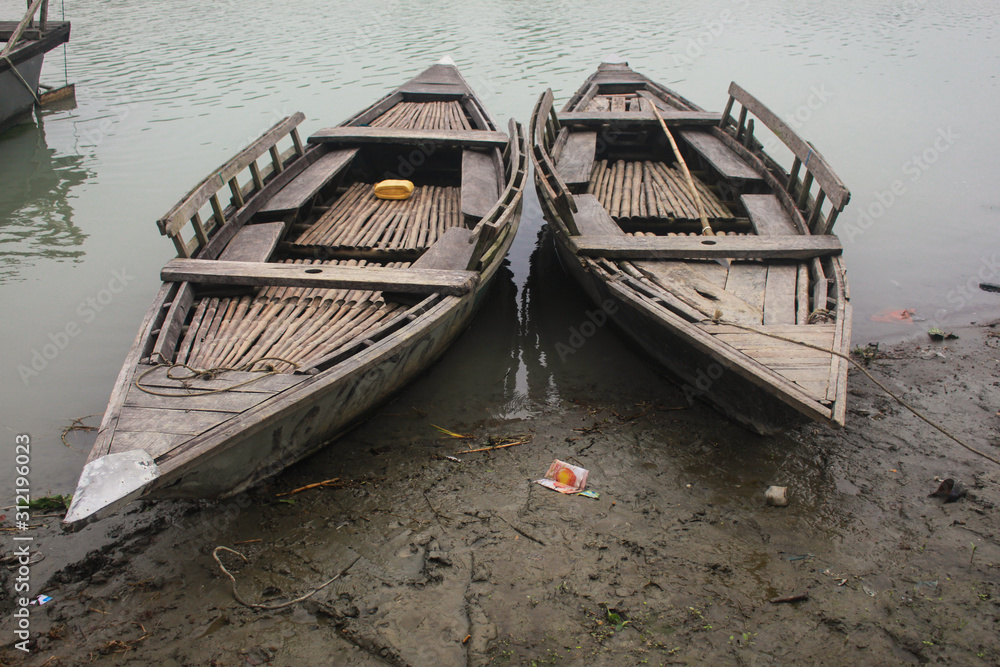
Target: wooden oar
{"x":706,"y":228}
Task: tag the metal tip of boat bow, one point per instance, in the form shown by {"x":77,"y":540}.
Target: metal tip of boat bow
{"x":447,"y":60}
{"x":107,"y":484}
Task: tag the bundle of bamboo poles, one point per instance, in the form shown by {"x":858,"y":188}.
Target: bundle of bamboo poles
{"x":358,"y":219}
{"x":297,"y":324}
{"x":424,"y":115}
{"x":650,"y":190}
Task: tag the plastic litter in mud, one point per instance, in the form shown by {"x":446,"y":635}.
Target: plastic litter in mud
{"x":776,"y":496}
{"x":564,"y":477}
{"x":590,"y":494}
{"x":41,"y":599}
{"x":894,"y":316}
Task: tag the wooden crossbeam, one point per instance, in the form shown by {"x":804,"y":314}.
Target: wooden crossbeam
{"x":377,"y":278}
{"x":394,"y":135}
{"x":705,"y":247}
{"x":619,"y":118}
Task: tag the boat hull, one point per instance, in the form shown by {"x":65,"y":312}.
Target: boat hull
{"x":701,"y":376}
{"x":303,"y":420}
{"x":16,"y":100}
{"x":19,"y":78}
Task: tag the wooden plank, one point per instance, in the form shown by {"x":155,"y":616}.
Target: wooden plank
{"x":307,"y":184}
{"x":835,"y":189}
{"x":817,"y":334}
{"x":787,"y":391}
{"x":690,"y":286}
{"x":155,"y":420}
{"x":226,"y":401}
{"x":442,"y":91}
{"x":779,"y":294}
{"x":177,"y":217}
{"x":154,"y":444}
{"x":453,"y":250}
{"x":170,"y":331}
{"x":704,"y":247}
{"x":724,"y":159}
{"x":230,"y":381}
{"x":576,"y":161}
{"x":768,"y":216}
{"x":480,"y":183}
{"x":417,"y":137}
{"x":254,"y":243}
{"x":593,"y":220}
{"x":375,"y":278}
{"x":746,"y":281}
{"x":673,"y":118}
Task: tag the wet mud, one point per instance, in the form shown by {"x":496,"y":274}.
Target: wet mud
{"x":438,"y":561}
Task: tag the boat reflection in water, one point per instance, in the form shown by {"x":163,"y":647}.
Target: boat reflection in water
{"x":36,"y":217}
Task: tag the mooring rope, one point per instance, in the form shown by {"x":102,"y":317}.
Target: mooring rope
{"x":271,"y":607}
{"x":21,"y":78}
{"x":208,"y":374}
{"x":881,"y":386}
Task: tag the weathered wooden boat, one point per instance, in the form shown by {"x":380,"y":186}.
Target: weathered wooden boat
{"x":304,"y":302}
{"x":26,"y":44}
{"x":718,"y":262}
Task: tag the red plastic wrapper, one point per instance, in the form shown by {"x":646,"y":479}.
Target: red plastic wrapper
{"x":565,"y":478}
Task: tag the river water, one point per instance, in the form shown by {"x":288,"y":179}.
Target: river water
{"x":900,"y":96}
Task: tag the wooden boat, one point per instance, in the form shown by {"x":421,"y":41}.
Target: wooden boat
{"x":21,"y":60}
{"x":311,"y":300}
{"x":731,"y":280}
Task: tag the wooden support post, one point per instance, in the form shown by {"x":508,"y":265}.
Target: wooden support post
{"x":276,"y":160}
{"x":234,"y":187}
{"x":258,"y":182}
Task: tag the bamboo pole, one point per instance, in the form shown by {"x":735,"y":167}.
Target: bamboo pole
{"x":706,"y":229}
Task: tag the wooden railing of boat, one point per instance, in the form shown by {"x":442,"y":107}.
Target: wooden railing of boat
{"x":544,"y":129}
{"x":26,"y":23}
{"x":250,"y":186}
{"x":739,"y":135}
{"x":495,"y":224}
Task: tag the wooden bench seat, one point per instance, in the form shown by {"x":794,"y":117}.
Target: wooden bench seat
{"x":640,"y":118}
{"x":348,"y":136}
{"x":307,"y":185}
{"x":576,"y":161}
{"x":253,"y":243}
{"x":592,"y":219}
{"x":768,"y":216}
{"x":480,"y":184}
{"x":723,"y":158}
{"x":379,"y":278}
{"x":453,"y":250}
{"x":706,"y":247}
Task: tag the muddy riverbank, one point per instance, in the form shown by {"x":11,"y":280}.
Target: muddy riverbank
{"x":445,"y":562}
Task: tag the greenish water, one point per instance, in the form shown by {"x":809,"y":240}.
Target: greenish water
{"x":900,"y":97}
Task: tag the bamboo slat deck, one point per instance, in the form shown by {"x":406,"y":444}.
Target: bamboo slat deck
{"x":360,"y":220}
{"x":282,"y":324}
{"x":424,"y":115}
{"x":651,"y":190}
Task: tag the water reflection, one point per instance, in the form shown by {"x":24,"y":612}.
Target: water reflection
{"x":36,"y":217}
